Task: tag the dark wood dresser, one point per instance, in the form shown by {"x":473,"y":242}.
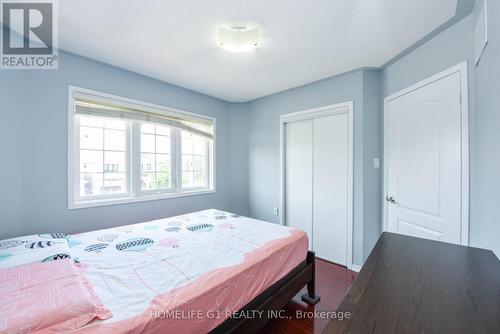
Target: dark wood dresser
{"x":412,"y":285}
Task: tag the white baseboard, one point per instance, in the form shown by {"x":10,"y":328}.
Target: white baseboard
{"x":355,"y":268}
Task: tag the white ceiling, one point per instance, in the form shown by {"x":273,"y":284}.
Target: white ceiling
{"x":302,"y":40}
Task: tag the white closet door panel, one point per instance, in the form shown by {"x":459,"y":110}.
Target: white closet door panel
{"x":330,"y":142}
{"x":298,"y":176}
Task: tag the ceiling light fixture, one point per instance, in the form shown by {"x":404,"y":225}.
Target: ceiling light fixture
{"x":239,"y":39}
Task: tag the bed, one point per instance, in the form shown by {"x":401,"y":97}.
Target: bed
{"x":208,"y":271}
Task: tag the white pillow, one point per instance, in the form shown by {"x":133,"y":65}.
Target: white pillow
{"x":33,"y":248}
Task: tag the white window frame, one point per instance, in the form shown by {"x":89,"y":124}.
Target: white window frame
{"x":133,"y":193}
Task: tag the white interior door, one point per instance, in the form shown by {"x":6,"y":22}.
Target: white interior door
{"x":330,"y":183}
{"x":299,"y":176}
{"x":424,"y":157}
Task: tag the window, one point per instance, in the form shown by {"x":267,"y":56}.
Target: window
{"x":156,"y":161}
{"x":127,"y":151}
{"x":194,"y":160}
{"x":103,"y":168}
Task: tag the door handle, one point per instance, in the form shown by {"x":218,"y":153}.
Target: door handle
{"x":391,"y":199}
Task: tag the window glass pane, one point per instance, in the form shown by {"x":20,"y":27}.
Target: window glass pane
{"x":114,"y":183}
{"x":114,"y":140}
{"x":200,"y":146}
{"x":163,"y":181}
{"x":187,"y":143}
{"x":199,"y":179}
{"x":91,"y":184}
{"x":103,"y":164}
{"x":147,"y":143}
{"x":114,"y":161}
{"x":163,"y":163}
{"x":147,"y":128}
{"x":162,"y":144}
{"x":147,"y":162}
{"x":91,"y":138}
{"x":91,"y":121}
{"x":155,"y":157}
{"x":162,"y":130}
{"x":147,"y":181}
{"x":91,"y":161}
{"x":194,"y":160}
{"x":198,"y":163}
{"x":187,"y":179}
{"x":116,"y":124}
{"x":187,"y":163}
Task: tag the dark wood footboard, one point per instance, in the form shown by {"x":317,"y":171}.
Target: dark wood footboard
{"x":275,"y":298}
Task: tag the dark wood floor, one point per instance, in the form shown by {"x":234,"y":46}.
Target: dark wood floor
{"x":332,"y":283}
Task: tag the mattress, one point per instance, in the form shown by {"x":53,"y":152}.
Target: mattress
{"x":184,"y":274}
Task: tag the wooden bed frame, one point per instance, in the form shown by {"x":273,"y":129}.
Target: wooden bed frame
{"x":275,"y":298}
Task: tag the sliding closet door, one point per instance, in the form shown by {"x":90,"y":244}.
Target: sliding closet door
{"x":330,"y":182}
{"x":298,"y":176}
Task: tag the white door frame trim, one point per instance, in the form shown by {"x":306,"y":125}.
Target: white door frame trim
{"x":328,"y":110}
{"x":464,"y":98}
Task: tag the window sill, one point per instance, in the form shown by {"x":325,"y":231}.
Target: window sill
{"x":124,"y":200}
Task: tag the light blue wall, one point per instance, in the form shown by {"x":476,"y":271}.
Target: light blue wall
{"x":372,"y":148}
{"x":445,"y":50}
{"x":238,"y":152}
{"x":34,"y":143}
{"x":11,"y":162}
{"x":485,"y":181}
{"x":264,"y":131}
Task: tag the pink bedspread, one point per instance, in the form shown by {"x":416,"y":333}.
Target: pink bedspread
{"x":49,"y":297}
{"x":203,"y":304}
